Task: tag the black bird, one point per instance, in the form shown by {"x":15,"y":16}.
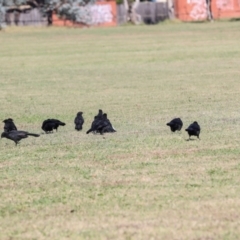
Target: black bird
{"x":175,"y":125}
{"x":100,"y":113}
{"x":193,"y":129}
{"x":101,"y":124}
{"x":94,"y":124}
{"x":106,"y":125}
{"x":9,"y":125}
{"x":79,"y":121}
{"x":50,"y":124}
{"x":17,"y":136}
{"x":96,"y":121}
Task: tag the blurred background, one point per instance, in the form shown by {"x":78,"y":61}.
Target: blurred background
{"x":85,"y":13}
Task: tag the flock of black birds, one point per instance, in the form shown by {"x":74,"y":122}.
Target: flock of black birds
{"x":101,"y":124}
{"x":193,"y":129}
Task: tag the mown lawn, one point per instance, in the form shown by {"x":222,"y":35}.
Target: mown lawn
{"x":142,"y":182}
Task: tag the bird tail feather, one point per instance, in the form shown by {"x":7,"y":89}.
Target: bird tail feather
{"x":88,"y":131}
{"x":33,"y":134}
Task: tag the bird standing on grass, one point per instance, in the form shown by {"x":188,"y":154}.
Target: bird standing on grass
{"x":193,"y":130}
{"x":96,"y":121}
{"x":106,"y":125}
{"x":175,"y":125}
{"x":79,"y":121}
{"x":101,"y":124}
{"x":9,"y":125}
{"x":100,"y":113}
{"x":17,"y":136}
{"x":50,"y":124}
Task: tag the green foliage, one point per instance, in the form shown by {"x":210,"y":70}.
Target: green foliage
{"x":75,"y":10}
{"x":75,"y":13}
{"x":119,"y":1}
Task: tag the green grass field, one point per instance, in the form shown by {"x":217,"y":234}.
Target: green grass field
{"x":142,"y":182}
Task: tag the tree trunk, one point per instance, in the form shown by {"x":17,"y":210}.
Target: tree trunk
{"x":171,"y":13}
{"x":209,"y":10}
{"x":131,"y":9}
